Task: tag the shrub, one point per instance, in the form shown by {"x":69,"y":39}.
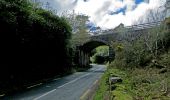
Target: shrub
{"x":34,"y":42}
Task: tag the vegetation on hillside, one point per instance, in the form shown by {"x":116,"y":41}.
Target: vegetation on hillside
{"x":35,"y":44}
{"x":143,"y":64}
{"x":138,"y":84}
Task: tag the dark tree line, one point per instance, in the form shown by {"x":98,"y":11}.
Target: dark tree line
{"x":34,"y":43}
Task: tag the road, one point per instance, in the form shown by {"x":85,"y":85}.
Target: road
{"x":71,"y":87}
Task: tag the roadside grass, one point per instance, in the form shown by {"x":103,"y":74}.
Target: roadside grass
{"x":138,"y":84}
{"x":102,"y":90}
{"x":149,"y":84}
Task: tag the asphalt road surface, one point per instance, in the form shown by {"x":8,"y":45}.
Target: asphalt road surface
{"x":71,"y":87}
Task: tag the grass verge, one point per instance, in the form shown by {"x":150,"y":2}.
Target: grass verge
{"x":138,"y":84}
{"x":102,"y":90}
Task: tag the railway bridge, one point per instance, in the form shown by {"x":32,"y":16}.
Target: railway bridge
{"x":107,"y":37}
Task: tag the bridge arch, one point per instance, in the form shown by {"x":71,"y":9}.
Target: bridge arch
{"x":92,"y":44}
{"x":85,"y":49}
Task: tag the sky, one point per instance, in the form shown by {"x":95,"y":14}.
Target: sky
{"x":108,"y":14}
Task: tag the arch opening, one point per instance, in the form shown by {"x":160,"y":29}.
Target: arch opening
{"x":100,"y":55}
{"x":90,"y":45}
{"x":85,"y":51}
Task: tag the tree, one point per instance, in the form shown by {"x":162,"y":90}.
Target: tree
{"x":33,"y":40}
{"x":100,"y":54}
{"x":140,"y":47}
{"x":80,"y":34}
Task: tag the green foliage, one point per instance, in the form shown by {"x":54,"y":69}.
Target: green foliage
{"x":145,"y":83}
{"x":133,"y":61}
{"x":79,"y":29}
{"x":167,"y":21}
{"x":167,"y":38}
{"x":165,"y":59}
{"x":138,"y":84}
{"x":140,"y":52}
{"x":121,"y":91}
{"x":34,"y":41}
{"x":99,"y":59}
{"x":82,"y":19}
{"x":102,"y":90}
{"x":102,"y":50}
{"x":100,"y":55}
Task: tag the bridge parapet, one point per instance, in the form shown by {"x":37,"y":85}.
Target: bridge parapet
{"x":125,"y":32}
{"x":143,"y":26}
{"x":136,"y":27}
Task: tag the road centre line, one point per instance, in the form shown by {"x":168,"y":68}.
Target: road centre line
{"x":65,"y":84}
{"x":73,"y":80}
{"x":44,"y":94}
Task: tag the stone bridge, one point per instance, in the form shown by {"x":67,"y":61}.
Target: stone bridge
{"x":106,"y":37}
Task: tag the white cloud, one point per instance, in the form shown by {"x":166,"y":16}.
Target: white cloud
{"x":102,"y":19}
{"x":98,"y":10}
{"x":130,"y":4}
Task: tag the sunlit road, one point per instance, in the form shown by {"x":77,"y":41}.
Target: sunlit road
{"x":67,"y":88}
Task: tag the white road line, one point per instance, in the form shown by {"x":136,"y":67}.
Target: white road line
{"x":34,"y":85}
{"x":1,"y":95}
{"x":61,"y":86}
{"x":44,"y":94}
{"x":65,"y":84}
{"x":73,"y":80}
{"x":56,"y":79}
{"x":78,"y":78}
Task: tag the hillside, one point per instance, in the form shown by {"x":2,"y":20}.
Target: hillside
{"x":144,"y":67}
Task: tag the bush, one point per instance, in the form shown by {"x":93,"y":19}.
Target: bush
{"x":99,"y":59}
{"x":34,"y":42}
{"x":100,"y":55}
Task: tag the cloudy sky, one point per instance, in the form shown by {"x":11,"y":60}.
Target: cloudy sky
{"x":108,"y":13}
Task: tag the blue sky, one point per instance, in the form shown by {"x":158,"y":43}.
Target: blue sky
{"x":138,"y":1}
{"x":123,"y":9}
{"x":120,"y":10}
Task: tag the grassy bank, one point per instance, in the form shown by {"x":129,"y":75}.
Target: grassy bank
{"x":138,"y":84}
{"x":143,"y":63}
{"x":103,"y":88}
